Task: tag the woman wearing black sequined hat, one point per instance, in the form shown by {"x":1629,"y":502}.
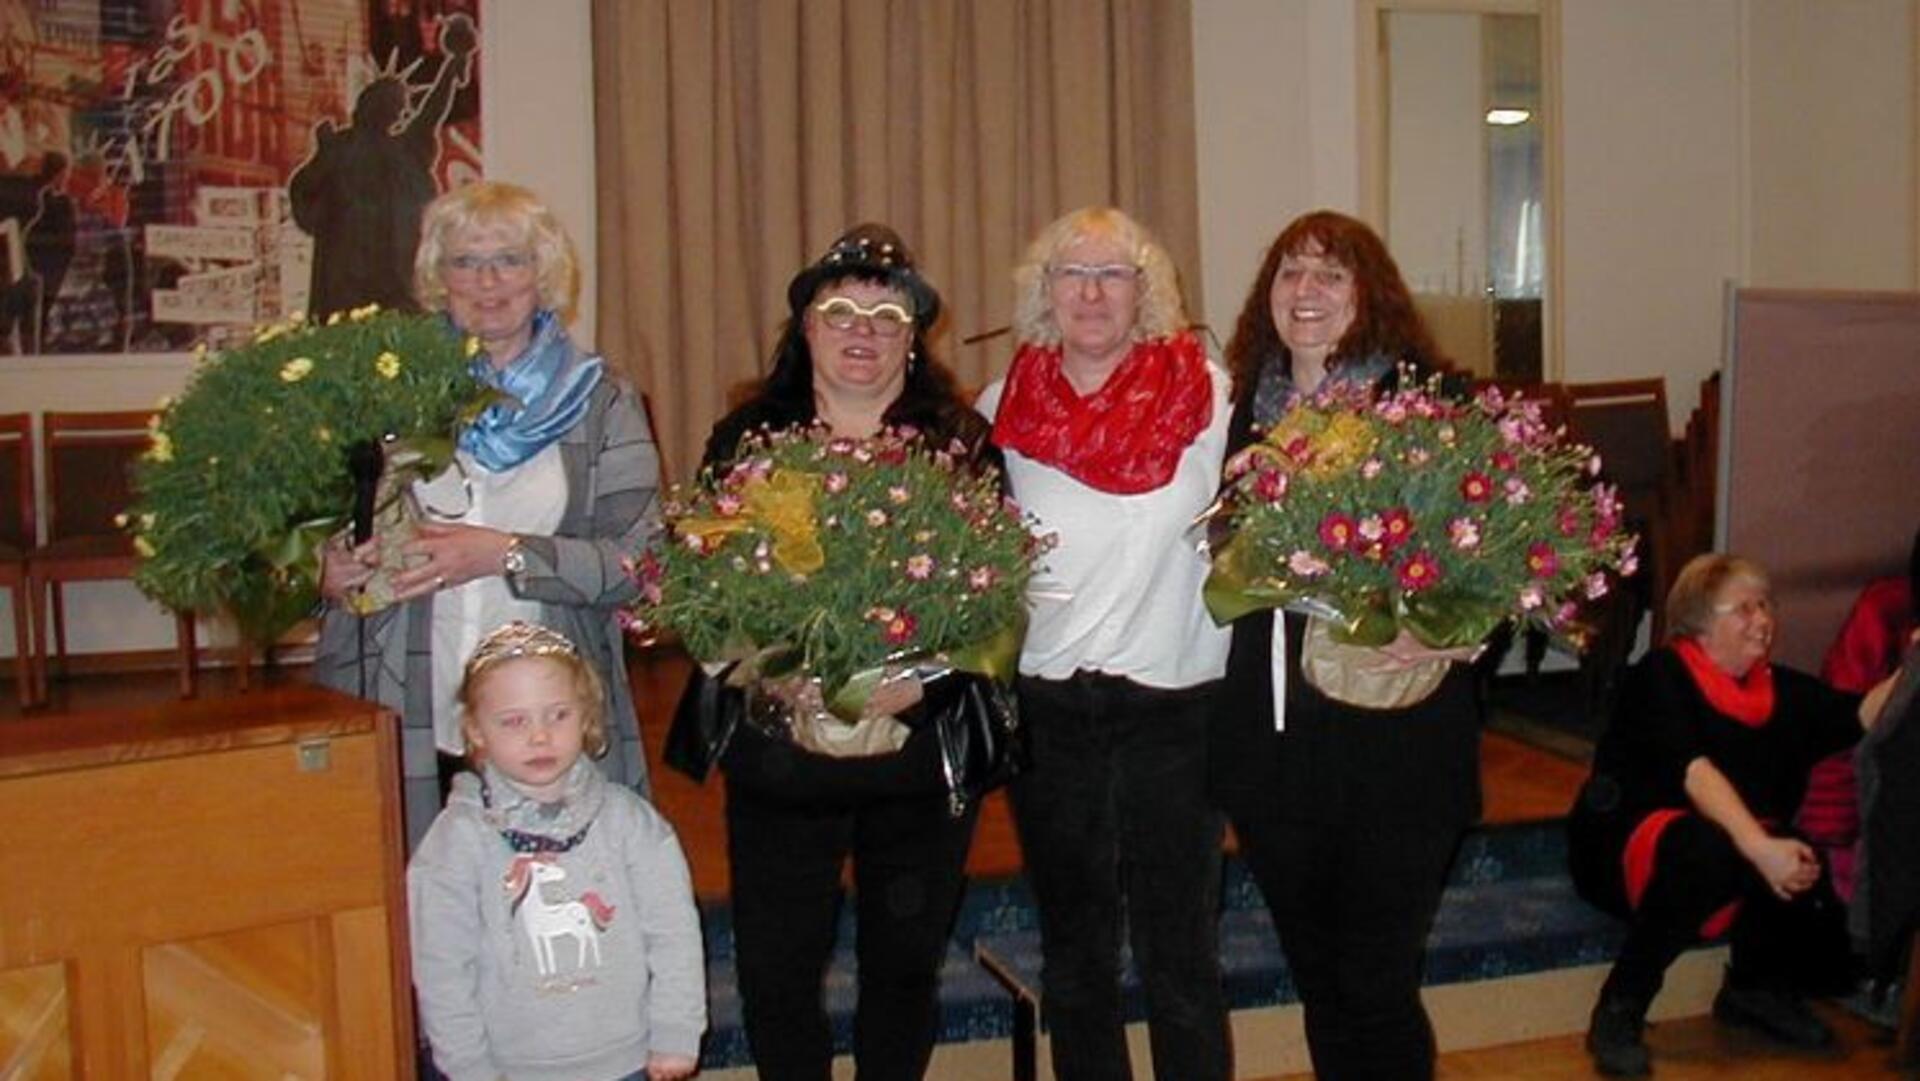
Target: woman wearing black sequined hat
{"x":854,"y":358}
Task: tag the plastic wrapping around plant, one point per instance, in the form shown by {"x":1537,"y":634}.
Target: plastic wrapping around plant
{"x":1409,"y":510}
{"x":843,"y":561}
{"x":246,"y":477}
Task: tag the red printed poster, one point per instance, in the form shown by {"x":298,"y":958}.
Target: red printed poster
{"x":178,"y":171}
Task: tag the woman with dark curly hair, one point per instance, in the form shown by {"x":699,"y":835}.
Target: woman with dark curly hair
{"x":854,"y":357}
{"x":1347,"y":814}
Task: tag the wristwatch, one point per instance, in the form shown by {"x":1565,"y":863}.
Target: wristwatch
{"x":513,"y":562}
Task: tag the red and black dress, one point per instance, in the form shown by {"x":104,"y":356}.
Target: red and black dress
{"x":1640,"y":849}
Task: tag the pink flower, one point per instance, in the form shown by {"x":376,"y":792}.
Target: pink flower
{"x":1371,"y":468}
{"x":1372,"y":528}
{"x":900,"y":629}
{"x":1270,"y":485}
{"x":880,"y":614}
{"x":729,"y":505}
{"x":920,"y":567}
{"x":1306,"y":564}
{"x":1476,"y":487}
{"x":1464,"y":533}
{"x":1629,"y":564}
{"x":1596,"y":586}
{"x":836,"y":482}
{"x":876,"y":517}
{"x":1531,"y":598}
{"x":841,"y":446}
{"x":1419,"y":572}
{"x":1564,"y":614}
{"x":898,"y":494}
{"x":1393,"y":410}
{"x":1517,"y":491}
{"x":1505,"y":461}
{"x":1446,"y":434}
{"x":1542,"y":560}
{"x":1419,"y":456}
{"x":1336,"y":532}
{"x":1568,"y":522}
{"x":1399,"y":526}
{"x":981,"y":579}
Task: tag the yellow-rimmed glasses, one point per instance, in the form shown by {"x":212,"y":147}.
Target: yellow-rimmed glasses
{"x":887,"y":319}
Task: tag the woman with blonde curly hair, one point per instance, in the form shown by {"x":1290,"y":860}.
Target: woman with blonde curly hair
{"x":1113,"y":422}
{"x":552,"y":484}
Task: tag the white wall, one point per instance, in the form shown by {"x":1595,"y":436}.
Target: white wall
{"x":537,"y":112}
{"x":1763,"y":141}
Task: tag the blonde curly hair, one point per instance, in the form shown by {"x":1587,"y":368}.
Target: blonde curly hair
{"x":1161,"y":312}
{"x":495,"y":204}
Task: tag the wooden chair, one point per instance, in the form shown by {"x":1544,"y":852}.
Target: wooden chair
{"x":89,"y":461}
{"x":18,"y":533}
{"x":1626,"y":421}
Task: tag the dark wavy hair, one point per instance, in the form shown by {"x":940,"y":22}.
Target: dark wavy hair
{"x":1384,"y":320}
{"x":928,"y":399}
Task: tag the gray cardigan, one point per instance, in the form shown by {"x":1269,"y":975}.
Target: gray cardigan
{"x":613,"y":481}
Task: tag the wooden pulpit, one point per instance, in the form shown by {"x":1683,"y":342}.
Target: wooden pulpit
{"x":204,"y":889}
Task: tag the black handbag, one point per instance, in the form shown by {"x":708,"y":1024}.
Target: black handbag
{"x":975,"y":721}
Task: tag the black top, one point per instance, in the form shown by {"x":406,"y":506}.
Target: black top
{"x":1337,"y":763}
{"x":1663,"y":722}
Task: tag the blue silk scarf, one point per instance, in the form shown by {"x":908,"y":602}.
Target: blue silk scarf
{"x":550,"y":384}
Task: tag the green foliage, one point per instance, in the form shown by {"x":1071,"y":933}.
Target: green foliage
{"x":1414,"y":511}
{"x":843,"y":555}
{"x":247,"y":472}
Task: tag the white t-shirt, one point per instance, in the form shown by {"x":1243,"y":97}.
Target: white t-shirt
{"x":1120,"y":591}
{"x":529,"y":498}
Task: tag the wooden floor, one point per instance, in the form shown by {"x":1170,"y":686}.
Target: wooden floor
{"x":1695,"y":1049}
{"x":1521,"y":784}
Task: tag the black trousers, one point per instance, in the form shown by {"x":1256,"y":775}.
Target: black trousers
{"x":1792,"y":945}
{"x":1118,"y":832}
{"x":786,"y":852}
{"x":1353,"y":904}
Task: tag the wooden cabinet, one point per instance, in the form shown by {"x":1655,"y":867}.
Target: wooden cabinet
{"x":205,"y":889}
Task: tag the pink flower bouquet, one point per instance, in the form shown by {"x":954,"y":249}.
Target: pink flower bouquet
{"x":1410,"y":510}
{"x":836,"y":558}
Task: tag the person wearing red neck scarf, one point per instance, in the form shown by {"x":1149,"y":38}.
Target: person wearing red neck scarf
{"x":1683,"y":827}
{"x":1113,"y":423}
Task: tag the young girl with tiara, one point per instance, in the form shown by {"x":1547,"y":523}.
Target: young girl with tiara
{"x":554,"y":931}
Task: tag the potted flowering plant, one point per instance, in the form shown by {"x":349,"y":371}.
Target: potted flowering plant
{"x":246,"y":476}
{"x":1412,"y":511}
{"x":835,"y":559}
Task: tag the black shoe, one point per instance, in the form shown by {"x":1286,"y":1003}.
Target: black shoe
{"x":1780,"y":1014}
{"x":1614,"y":1038}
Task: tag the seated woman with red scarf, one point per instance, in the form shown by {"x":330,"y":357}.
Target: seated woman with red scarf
{"x":1682,"y":828}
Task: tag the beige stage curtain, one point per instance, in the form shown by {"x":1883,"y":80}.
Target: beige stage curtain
{"x":737,"y":138}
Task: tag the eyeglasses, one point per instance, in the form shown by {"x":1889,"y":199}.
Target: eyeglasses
{"x":1746,"y":609}
{"x":887,"y":319}
{"x":505,"y":264}
{"x":1101,"y":274}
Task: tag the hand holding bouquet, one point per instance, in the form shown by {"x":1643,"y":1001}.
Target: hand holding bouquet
{"x":1411,"y":511}
{"x":837,"y":559}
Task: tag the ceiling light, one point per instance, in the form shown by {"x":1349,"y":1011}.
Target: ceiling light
{"x":1507,"y":118}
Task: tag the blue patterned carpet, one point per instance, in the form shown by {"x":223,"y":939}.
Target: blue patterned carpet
{"x":1509,"y":909}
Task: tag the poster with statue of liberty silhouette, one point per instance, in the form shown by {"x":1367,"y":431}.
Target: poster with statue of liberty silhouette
{"x":176,"y":172}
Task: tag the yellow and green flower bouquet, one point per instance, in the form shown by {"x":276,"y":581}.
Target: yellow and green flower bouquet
{"x":838,"y":559}
{"x":246,"y":477}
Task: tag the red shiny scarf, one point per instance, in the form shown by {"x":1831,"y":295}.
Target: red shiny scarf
{"x":1125,"y":438}
{"x":1748,"y":700}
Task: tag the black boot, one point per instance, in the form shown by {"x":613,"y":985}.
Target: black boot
{"x":1780,"y":1014}
{"x":1614,"y":1037}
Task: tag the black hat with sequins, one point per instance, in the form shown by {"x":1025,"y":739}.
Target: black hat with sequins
{"x":868,"y":252}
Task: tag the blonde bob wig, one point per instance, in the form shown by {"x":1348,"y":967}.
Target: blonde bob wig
{"x":512,"y":209}
{"x":1161,"y":314}
{"x":1697,"y":588}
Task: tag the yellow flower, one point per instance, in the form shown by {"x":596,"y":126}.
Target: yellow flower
{"x":364,"y":313}
{"x":473,"y":347}
{"x":387,"y":364}
{"x":269,"y":333}
{"x":296,"y":369}
{"x":144,"y":547}
{"x":146,"y":522}
{"x":200,"y":353}
{"x":334,"y":319}
{"x":162,"y":448}
{"x":324,"y":434}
